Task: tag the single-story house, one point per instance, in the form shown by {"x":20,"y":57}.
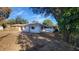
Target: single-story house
{"x":18,"y":27}
{"x":1,"y":27}
{"x":37,"y":28}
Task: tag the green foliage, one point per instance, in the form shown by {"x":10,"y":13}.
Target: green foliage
{"x":4,"y":13}
{"x":3,"y":23}
{"x":66,"y":17}
{"x":68,"y":21}
{"x":18,"y":20}
{"x":69,"y":24}
{"x":48,"y":22}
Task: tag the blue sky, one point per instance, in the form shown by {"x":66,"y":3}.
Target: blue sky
{"x":27,"y":13}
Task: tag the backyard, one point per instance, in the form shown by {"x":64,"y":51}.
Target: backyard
{"x":43,"y":42}
{"x":8,"y":41}
{"x":44,"y":29}
{"x":16,"y":41}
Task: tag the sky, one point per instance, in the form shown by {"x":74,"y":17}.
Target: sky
{"x":26,"y":13}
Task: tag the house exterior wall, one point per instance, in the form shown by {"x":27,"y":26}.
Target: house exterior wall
{"x":14,"y":28}
{"x":37,"y":29}
{"x":26,"y":29}
{"x":48,"y":30}
{"x":19,"y":28}
{"x":1,"y":28}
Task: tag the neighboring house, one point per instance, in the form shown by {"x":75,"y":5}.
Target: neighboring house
{"x":37,"y":28}
{"x":18,"y":27}
{"x":1,"y":27}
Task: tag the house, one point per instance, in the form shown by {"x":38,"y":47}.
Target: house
{"x":37,"y":28}
{"x":33,"y":28}
{"x":1,"y":27}
{"x":17,"y":27}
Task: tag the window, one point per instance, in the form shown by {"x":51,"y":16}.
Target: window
{"x":32,"y":27}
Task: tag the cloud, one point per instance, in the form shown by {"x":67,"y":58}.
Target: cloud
{"x":38,"y":18}
{"x":16,"y":13}
{"x":19,"y":13}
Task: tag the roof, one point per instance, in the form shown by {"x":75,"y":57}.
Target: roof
{"x":39,"y":24}
{"x":35,"y":24}
{"x":18,"y":25}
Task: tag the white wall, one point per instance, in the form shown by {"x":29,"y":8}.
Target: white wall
{"x":26,"y":29}
{"x":1,"y":28}
{"x":19,"y":28}
{"x":48,"y":30}
{"x":37,"y":29}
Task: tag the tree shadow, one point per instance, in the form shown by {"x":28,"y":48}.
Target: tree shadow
{"x":31,"y":41}
{"x":47,"y":35}
{"x":40,"y":42}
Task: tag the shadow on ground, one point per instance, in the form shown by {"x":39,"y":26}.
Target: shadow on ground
{"x":42,"y":42}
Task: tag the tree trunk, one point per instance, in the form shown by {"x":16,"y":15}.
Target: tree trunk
{"x":66,"y":36}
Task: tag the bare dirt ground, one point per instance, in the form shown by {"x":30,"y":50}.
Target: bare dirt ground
{"x":8,"y":41}
{"x":15,"y":41}
{"x":43,"y":42}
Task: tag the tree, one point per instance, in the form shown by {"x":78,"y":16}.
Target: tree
{"x":4,"y":13}
{"x":48,"y":22}
{"x":20,"y":20}
{"x":67,"y":18}
{"x":17,"y":20}
{"x":3,"y":23}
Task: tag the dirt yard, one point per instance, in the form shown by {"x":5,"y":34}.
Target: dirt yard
{"x":43,"y":42}
{"x":15,"y":41}
{"x":8,"y":41}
